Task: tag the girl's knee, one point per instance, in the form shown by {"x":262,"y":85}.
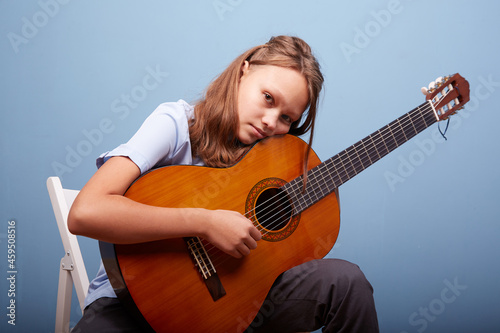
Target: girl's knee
{"x":344,"y":273}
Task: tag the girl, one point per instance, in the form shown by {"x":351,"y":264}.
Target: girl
{"x":266,"y":91}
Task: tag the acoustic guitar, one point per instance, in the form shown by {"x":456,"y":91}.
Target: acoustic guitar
{"x":188,"y":285}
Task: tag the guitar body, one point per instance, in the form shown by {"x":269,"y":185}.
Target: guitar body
{"x":161,"y":277}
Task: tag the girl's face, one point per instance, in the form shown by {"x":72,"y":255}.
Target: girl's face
{"x":270,"y":99}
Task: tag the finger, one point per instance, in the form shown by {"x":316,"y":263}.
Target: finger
{"x":251,"y":244}
{"x":235,"y":253}
{"x":244,"y":250}
{"x":255,"y":234}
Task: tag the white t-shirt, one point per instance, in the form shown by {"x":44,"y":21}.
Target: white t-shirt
{"x":163,"y":139}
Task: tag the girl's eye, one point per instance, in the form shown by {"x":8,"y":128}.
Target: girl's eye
{"x":269,"y":99}
{"x":287,"y":119}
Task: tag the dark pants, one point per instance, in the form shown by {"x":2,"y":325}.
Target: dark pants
{"x":331,"y":294}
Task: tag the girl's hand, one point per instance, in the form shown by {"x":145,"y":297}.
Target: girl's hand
{"x":231,"y":232}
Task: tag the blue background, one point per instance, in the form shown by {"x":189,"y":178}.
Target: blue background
{"x":419,"y":220}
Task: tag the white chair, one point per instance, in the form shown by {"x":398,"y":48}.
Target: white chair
{"x":72,"y":269}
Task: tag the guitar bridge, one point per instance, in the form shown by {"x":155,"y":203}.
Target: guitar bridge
{"x":205,"y":267}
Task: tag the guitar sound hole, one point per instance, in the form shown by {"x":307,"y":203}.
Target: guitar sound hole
{"x":273,"y":209}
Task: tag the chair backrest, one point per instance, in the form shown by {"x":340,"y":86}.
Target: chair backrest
{"x":62,"y":199}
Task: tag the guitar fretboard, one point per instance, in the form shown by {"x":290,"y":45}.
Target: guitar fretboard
{"x":329,"y":175}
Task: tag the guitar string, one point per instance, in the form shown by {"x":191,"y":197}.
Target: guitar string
{"x":361,"y":155}
{"x":426,"y":119}
{"x":381,"y":133}
{"x":423,"y":125}
{"x":343,"y":159}
{"x":350,"y":172}
{"x":353,"y":166}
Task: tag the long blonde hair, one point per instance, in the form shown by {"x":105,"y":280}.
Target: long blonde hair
{"x":215,"y":124}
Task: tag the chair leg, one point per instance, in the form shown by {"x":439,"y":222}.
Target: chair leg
{"x":64,"y":293}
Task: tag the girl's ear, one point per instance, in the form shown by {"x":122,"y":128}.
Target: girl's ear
{"x":244,"y":68}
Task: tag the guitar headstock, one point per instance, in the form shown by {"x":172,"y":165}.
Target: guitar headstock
{"x":448,"y":95}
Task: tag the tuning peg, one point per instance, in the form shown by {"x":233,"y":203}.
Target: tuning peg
{"x":434,"y":84}
{"x":431,"y":87}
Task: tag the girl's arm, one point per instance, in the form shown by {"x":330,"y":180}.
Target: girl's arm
{"x":101,"y":211}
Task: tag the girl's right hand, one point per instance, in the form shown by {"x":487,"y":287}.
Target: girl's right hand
{"x":231,"y":232}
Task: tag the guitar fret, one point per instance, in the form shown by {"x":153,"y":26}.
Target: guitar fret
{"x":299,"y":195}
{"x":333,"y":166}
{"x":303,"y":197}
{"x":319,"y":184}
{"x":370,"y":151}
{"x":343,"y":172}
{"x":425,"y":121}
{"x":389,"y":139}
{"x":357,"y":166}
{"x":398,"y":133}
{"x":392,"y":142}
{"x":417,"y":120}
{"x":325,"y":176}
{"x":323,"y":181}
{"x":333,"y":183}
{"x":306,"y":196}
{"x":412,"y":124}
{"x":351,"y":157}
{"x":409,"y":130}
{"x":347,"y":165}
{"x":312,"y":186}
{"x":359,"y":157}
{"x":403,"y":132}
{"x":381,"y":146}
{"x":363,"y":155}
{"x":298,"y":200}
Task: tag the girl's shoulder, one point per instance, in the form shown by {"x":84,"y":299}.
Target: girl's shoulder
{"x":180,"y":111}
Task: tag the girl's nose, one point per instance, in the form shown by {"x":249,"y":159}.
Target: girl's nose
{"x":270,"y":121}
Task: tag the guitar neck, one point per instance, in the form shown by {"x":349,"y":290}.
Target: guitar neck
{"x":329,"y":175}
